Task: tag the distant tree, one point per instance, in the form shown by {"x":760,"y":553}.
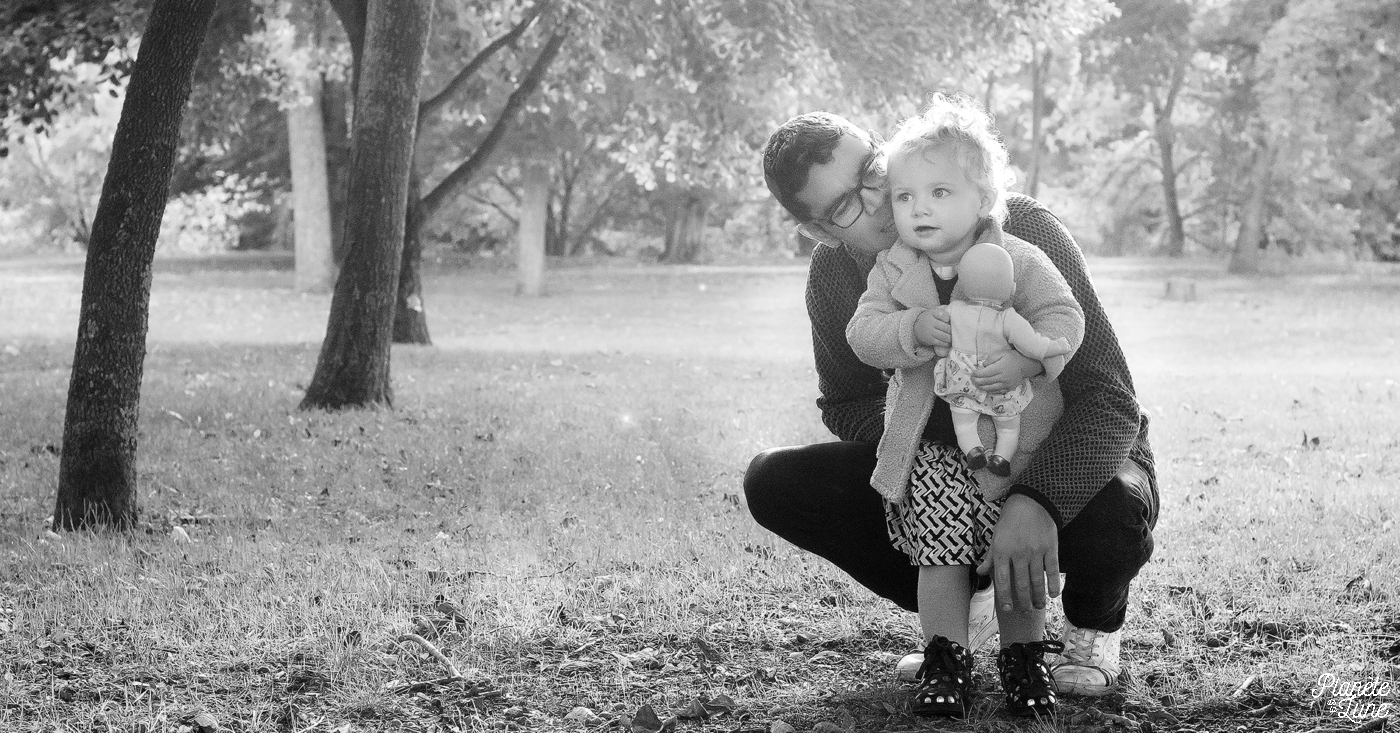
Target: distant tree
{"x":353,"y":368}
{"x":97,"y":471}
{"x":1146,"y":51}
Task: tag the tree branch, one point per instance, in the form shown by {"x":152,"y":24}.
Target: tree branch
{"x":433,"y":104}
{"x":464,"y":172}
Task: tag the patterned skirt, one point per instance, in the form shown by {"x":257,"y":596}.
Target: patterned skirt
{"x":945,"y":520}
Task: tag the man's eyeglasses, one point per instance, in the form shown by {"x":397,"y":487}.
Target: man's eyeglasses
{"x":849,"y":208}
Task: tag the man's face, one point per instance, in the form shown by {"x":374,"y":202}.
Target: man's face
{"x":829,"y":184}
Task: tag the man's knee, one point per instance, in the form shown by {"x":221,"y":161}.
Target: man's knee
{"x":1113,"y":533}
{"x":763,"y":483}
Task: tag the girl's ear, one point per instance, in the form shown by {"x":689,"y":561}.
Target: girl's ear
{"x":989,"y":200}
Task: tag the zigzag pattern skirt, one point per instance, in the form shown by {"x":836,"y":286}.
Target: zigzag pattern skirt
{"x":945,"y":520}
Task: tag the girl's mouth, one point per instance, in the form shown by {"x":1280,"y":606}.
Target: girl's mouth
{"x":925,"y":229}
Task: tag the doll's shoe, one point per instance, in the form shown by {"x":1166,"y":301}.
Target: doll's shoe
{"x":999,"y":466}
{"x":976,"y":459}
{"x":1025,"y":678}
{"x":945,"y":680}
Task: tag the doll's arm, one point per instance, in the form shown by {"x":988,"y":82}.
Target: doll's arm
{"x":1044,"y":299}
{"x":1021,"y":334}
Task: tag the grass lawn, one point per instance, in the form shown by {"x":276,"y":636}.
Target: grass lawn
{"x":555,"y":505}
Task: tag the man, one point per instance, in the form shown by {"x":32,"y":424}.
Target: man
{"x":1085,"y":506}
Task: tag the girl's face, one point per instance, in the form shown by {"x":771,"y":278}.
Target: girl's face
{"x":936,"y":207}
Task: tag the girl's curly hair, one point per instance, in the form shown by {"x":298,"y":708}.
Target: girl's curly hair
{"x":960,"y":121}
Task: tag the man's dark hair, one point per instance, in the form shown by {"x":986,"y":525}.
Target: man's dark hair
{"x":802,"y":142}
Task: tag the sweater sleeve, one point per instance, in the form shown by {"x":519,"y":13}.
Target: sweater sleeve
{"x":1102,"y":426}
{"x":852,"y":400}
{"x":881,"y":333}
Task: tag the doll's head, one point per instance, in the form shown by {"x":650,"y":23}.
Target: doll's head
{"x":986,"y":273}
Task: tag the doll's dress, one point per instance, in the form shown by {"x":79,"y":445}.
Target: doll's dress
{"x":952,"y":377}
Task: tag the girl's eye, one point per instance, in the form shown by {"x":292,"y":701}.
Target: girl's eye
{"x":939,"y":193}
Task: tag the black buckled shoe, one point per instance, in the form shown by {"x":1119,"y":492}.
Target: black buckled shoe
{"x":1025,"y":677}
{"x":945,"y":680}
{"x":976,"y":458}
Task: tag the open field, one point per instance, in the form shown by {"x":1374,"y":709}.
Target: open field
{"x":555,"y":503}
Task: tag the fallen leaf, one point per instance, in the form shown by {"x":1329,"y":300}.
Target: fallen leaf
{"x":780,"y":726}
{"x":695,"y":710}
{"x":582,"y":714}
{"x":646,"y":721}
{"x":722,"y":703}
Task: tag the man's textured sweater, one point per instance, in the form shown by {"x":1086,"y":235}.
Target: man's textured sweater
{"x":1102,"y":426}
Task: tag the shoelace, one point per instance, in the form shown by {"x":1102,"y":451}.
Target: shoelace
{"x":939,"y":657}
{"x":1022,"y":656}
{"x":1079,"y":645}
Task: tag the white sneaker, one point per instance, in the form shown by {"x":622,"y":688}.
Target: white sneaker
{"x":981,"y":627}
{"x":981,"y":618}
{"x":1090,"y":663}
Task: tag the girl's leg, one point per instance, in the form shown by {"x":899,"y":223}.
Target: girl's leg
{"x":1018,"y":626}
{"x":944,"y":594}
{"x":1008,"y":435}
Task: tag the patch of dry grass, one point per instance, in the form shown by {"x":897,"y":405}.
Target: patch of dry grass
{"x":556,"y":505}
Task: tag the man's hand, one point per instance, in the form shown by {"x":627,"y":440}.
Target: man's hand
{"x":1004,"y":370}
{"x":934,"y":328}
{"x":1025,"y":551}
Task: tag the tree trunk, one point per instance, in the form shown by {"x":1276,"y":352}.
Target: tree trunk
{"x":353,"y":368}
{"x":315,"y":261}
{"x":410,"y":317}
{"x":1253,"y":217}
{"x":1039,"y":63}
{"x":534,"y":210}
{"x":1176,"y":231}
{"x":1165,"y":133}
{"x":97,"y":472}
{"x":685,"y":234}
{"x":335,"y":113}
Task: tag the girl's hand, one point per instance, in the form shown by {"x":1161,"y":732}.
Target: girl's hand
{"x":933,"y":328}
{"x":1004,"y":371}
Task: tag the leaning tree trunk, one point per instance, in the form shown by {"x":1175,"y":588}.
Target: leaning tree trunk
{"x":685,"y":235}
{"x":410,"y":318}
{"x":353,"y":368}
{"x":1165,"y":133}
{"x":1040,"y":64}
{"x":97,"y":473}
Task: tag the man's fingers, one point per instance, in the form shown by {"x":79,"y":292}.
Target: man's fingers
{"x":1037,"y":582}
{"x":1021,"y":572}
{"x":1052,"y":571}
{"x":1001,"y":577}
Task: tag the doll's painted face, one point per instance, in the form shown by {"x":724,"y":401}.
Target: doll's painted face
{"x":986,"y":273}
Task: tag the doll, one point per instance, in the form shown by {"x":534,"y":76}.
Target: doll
{"x":982,"y":324}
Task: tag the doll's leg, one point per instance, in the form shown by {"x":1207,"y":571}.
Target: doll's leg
{"x":1008,"y":439}
{"x":965,"y":426}
{"x":1008,"y":435}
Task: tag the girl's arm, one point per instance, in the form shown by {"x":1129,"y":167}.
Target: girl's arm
{"x":881,"y":332}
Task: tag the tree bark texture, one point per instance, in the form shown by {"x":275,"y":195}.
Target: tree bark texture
{"x":534,"y":210}
{"x":410,"y":316}
{"x":315,"y":260}
{"x":685,"y":234}
{"x":335,"y":113}
{"x":353,"y":368}
{"x":97,"y":471}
